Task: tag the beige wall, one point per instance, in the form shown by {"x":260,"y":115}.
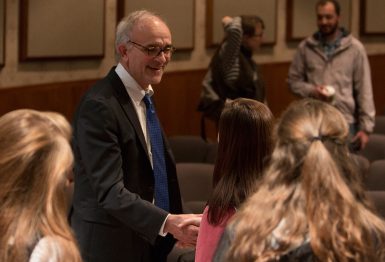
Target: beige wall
{"x":16,"y":74}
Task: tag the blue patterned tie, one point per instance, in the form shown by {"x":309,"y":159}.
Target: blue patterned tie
{"x":158,"y":161}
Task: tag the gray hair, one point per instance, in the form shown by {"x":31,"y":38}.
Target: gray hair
{"x":125,"y":26}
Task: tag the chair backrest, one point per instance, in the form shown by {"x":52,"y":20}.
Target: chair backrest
{"x":195,"y":182}
{"x":188,"y":149}
{"x":375,"y":180}
{"x":378,"y":199}
{"x":193,"y":149}
{"x":211,"y":152}
{"x":379,"y":127}
{"x":375,"y":149}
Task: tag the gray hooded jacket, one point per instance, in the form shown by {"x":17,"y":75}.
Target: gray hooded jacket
{"x":347,"y":70}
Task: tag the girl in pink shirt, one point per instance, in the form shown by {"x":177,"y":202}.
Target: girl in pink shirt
{"x":245,"y":144}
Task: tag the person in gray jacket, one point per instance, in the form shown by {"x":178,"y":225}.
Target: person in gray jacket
{"x":332,"y":66}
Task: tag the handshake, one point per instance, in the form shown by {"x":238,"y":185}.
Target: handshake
{"x":184,"y":228}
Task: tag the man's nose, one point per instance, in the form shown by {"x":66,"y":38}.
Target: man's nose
{"x":323,"y":20}
{"x":162,"y":57}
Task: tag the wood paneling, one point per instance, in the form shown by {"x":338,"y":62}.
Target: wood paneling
{"x":377,"y":65}
{"x":278,"y":93}
{"x":60,"y":97}
{"x":176,"y":97}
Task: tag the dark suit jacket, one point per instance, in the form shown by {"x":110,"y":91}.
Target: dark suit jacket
{"x":113,"y":215}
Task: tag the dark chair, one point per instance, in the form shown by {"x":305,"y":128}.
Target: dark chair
{"x":379,"y":127}
{"x":188,"y":149}
{"x":195,"y":182}
{"x":378,"y":199}
{"x":375,"y":149}
{"x":192,"y":149}
{"x":375,"y":180}
{"x":181,"y":255}
{"x":212,"y":151}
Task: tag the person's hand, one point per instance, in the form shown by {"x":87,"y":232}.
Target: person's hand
{"x":182,"y":245}
{"x":319,"y":93}
{"x":226,"y":20}
{"x":362,"y":137}
{"x":184,"y":228}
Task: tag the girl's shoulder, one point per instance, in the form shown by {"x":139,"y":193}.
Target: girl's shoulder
{"x":47,"y":249}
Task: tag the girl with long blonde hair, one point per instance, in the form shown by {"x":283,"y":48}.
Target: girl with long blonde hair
{"x":310,"y":205}
{"x":35,"y":167}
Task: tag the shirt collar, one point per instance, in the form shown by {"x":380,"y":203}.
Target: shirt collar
{"x":335,"y":43}
{"x":134,"y":90}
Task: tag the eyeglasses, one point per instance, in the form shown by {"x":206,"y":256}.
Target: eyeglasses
{"x":154,"y":51}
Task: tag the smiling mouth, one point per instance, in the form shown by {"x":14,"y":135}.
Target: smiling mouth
{"x":156,"y":68}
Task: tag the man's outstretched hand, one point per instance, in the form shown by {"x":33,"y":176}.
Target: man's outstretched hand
{"x":184,"y":228}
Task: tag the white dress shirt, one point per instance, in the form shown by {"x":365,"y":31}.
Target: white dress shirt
{"x":136,"y":93}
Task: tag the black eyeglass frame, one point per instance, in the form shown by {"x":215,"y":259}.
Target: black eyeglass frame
{"x":150,"y":51}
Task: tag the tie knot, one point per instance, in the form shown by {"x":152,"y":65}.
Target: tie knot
{"x":147,"y":101}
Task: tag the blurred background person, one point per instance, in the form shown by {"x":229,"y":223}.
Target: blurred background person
{"x":310,"y":204}
{"x":35,"y":175}
{"x":232,"y":72}
{"x":332,"y":65}
{"x":245,"y":143}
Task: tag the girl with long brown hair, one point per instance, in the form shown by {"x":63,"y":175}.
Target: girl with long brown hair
{"x":245,"y":128}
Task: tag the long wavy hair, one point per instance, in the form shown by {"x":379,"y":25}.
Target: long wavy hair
{"x":309,"y":192}
{"x":35,"y":162}
{"x":245,"y":143}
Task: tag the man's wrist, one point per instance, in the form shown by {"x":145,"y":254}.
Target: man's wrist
{"x":162,"y":231}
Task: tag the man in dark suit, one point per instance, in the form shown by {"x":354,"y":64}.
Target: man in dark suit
{"x":115,"y":217}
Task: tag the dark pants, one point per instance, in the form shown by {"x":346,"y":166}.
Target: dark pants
{"x":100,"y":242}
{"x":354,"y":145}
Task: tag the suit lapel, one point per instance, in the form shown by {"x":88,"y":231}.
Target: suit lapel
{"x":126,"y":103}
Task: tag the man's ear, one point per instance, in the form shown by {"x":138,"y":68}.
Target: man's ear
{"x":122,"y":50}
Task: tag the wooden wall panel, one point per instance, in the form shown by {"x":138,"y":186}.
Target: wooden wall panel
{"x":59,"y":30}
{"x":217,"y":9}
{"x":176,"y":97}
{"x":278,"y":93}
{"x":301,"y":18}
{"x":60,"y":97}
{"x":181,"y":26}
{"x":371,"y":18}
{"x":377,"y":65}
